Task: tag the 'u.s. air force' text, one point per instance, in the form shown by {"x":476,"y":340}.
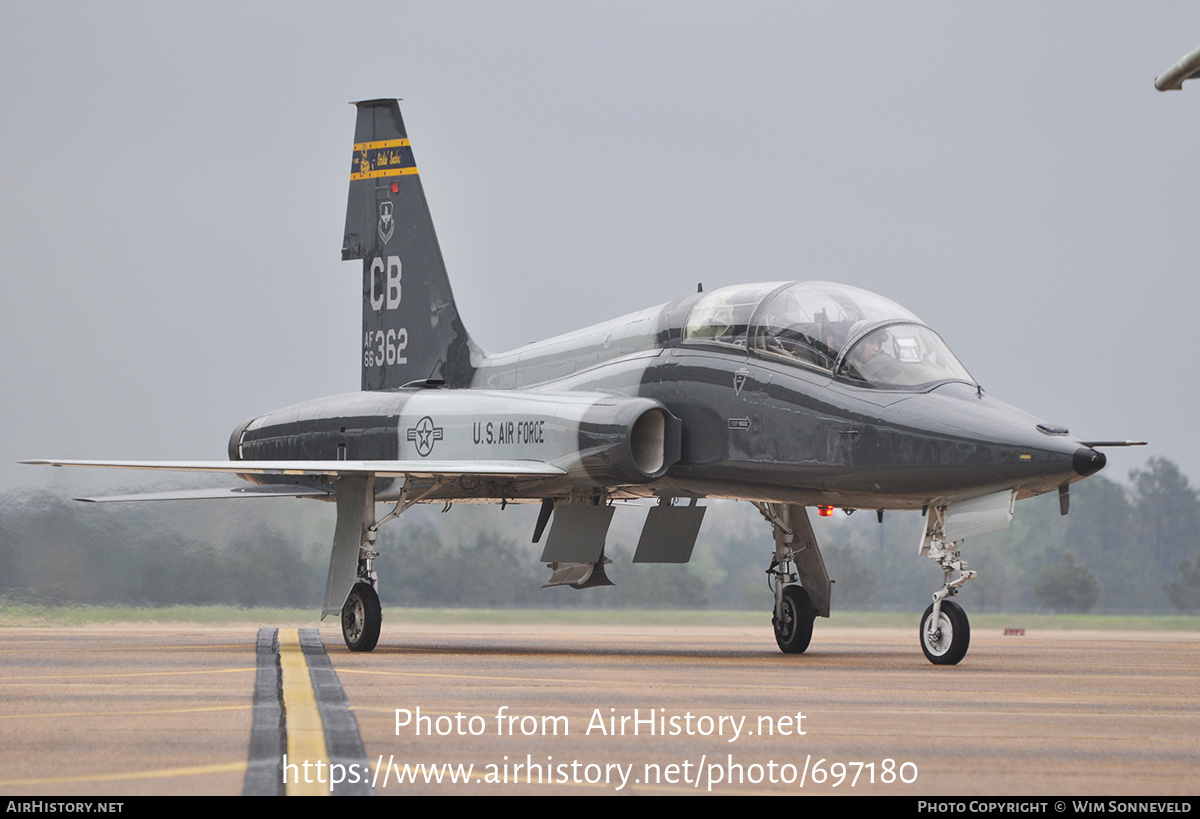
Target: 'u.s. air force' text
{"x":509,"y":432}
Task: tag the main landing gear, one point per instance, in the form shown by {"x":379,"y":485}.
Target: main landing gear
{"x":797,"y":577}
{"x":362,"y":617}
{"x":350,"y":587}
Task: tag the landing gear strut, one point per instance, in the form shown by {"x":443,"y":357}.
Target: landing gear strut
{"x":352,"y":563}
{"x":797,"y":577}
{"x":945,"y":630}
{"x":362,"y":616}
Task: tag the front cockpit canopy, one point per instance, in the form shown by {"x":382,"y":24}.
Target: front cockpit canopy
{"x":842,"y":330}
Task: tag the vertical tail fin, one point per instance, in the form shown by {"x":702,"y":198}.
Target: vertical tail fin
{"x":411,"y":327}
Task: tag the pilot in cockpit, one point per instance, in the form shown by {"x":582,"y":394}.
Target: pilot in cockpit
{"x":868,"y":359}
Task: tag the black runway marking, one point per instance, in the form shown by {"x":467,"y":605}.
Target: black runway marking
{"x":268,"y":739}
{"x":268,"y":734}
{"x":342,"y":739}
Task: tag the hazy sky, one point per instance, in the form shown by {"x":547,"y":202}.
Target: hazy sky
{"x":175,"y":177}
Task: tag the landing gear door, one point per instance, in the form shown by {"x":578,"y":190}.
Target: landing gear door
{"x":978,"y":516}
{"x":352,"y":506}
{"x":577,"y":534}
{"x":669,"y":534}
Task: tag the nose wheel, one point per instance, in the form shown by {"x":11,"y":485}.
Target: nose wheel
{"x":946,"y":638}
{"x":361,"y":618}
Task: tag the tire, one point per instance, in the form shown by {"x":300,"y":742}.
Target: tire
{"x":361,"y":618}
{"x":794,"y":626}
{"x":950,"y":642}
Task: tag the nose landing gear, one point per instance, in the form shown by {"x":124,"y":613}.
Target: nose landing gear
{"x":945,"y":630}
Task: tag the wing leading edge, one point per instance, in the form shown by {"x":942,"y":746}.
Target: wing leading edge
{"x":391,"y":469}
{"x":387,"y":469}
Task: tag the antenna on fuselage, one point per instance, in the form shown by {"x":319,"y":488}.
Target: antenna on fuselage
{"x":699,"y":287}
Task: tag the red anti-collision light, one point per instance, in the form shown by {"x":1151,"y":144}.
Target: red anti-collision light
{"x":395,"y":187}
{"x":824,"y":511}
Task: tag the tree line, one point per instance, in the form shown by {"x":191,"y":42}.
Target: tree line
{"x":1129,"y":548}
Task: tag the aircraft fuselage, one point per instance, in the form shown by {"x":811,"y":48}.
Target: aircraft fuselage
{"x":751,"y":427}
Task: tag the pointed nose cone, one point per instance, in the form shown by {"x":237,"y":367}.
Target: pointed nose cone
{"x":1088,"y":461}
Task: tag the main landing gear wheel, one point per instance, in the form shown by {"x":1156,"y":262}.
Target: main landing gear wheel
{"x":947,"y":642}
{"x":361,"y":618}
{"x":794,"y":625}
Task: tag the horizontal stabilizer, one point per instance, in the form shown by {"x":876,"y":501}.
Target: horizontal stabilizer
{"x":219,"y":493}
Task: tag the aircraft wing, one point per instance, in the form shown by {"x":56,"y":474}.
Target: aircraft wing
{"x":507,"y":469}
{"x":419,"y":469}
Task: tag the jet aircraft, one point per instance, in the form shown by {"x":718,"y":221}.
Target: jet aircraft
{"x":788,"y":395}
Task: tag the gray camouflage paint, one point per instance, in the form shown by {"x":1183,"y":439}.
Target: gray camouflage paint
{"x":750,"y":426}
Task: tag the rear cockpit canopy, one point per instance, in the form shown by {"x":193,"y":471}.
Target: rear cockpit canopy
{"x":842,"y":330}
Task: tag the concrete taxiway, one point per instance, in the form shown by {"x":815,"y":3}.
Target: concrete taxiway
{"x":119,"y":710}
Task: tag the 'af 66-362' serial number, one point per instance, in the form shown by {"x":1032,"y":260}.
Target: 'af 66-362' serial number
{"x":380,"y":347}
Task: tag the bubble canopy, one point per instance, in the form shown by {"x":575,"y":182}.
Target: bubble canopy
{"x":851,"y":333}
